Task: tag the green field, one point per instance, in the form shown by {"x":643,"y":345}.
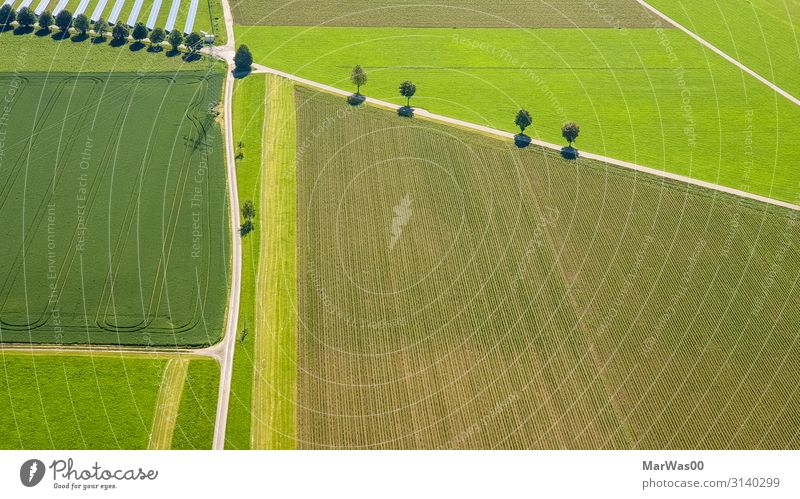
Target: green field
{"x":440,"y":13}
{"x":69,"y":402}
{"x":113,"y":208}
{"x":762,"y":34}
{"x":458,"y":292}
{"x":194,"y":427}
{"x":275,"y":354}
{"x":98,"y":401}
{"x":249,"y":102}
{"x":657,"y":98}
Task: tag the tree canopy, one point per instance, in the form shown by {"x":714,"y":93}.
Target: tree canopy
{"x":407,"y":90}
{"x":26,"y":17}
{"x":119,"y":33}
{"x":7,"y":16}
{"x":100,"y":28}
{"x":175,"y":39}
{"x":140,"y":32}
{"x":359,"y":78}
{"x":243,"y":59}
{"x":45,"y":20}
{"x":193,"y":42}
{"x":81,"y":24}
{"x":570,"y":131}
{"x":63,"y":20}
{"x":157,"y":37}
{"x":523,"y":120}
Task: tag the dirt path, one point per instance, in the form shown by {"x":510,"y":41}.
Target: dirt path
{"x":226,"y":347}
{"x":274,"y":376}
{"x":168,"y":403}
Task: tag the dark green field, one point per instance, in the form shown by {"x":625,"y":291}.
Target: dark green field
{"x":441,"y":13}
{"x":455,"y":291}
{"x":112,"y":201}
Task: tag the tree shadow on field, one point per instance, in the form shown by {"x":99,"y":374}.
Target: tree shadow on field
{"x":190,"y":57}
{"x":80,"y":37}
{"x":136,"y":46}
{"x":118,"y":43}
{"x":173,"y":52}
{"x":521,"y":140}
{"x":405,"y":111}
{"x":23,"y":30}
{"x":155,"y":48}
{"x":241,"y":73}
{"x":43,"y":32}
{"x":569,"y":153}
{"x":98,"y":39}
{"x":60,"y":35}
{"x":6,"y":27}
{"x":356,"y":99}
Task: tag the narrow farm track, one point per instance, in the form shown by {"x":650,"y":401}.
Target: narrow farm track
{"x":167,"y":404}
{"x":224,"y":349}
{"x":274,"y":372}
{"x":720,"y":53}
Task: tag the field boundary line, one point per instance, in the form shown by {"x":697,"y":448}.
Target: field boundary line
{"x":720,"y":53}
{"x":167,"y":404}
{"x":549,"y":145}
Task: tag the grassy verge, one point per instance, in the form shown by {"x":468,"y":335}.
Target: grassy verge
{"x":275,"y":372}
{"x":248,"y":122}
{"x":168,"y":403}
{"x":657,"y":98}
{"x":194,"y":427}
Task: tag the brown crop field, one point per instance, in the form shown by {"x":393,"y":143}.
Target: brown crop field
{"x":455,"y":291}
{"x":442,"y":13}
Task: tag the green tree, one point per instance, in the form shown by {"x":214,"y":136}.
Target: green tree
{"x":523,"y":120}
{"x":359,"y":78}
{"x":193,"y":42}
{"x":407,"y":90}
{"x":26,"y":17}
{"x":570,"y":131}
{"x":243,"y":59}
{"x":7,"y":16}
{"x":45,"y":20}
{"x":246,"y":228}
{"x":119,"y":33}
{"x":175,"y":39}
{"x":100,"y":28}
{"x":140,"y":32}
{"x":157,"y":37}
{"x":81,"y":24}
{"x":248,"y":210}
{"x":63,"y":20}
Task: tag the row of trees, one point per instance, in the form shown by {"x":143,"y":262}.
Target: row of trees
{"x":569,"y":131}
{"x":64,"y":20}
